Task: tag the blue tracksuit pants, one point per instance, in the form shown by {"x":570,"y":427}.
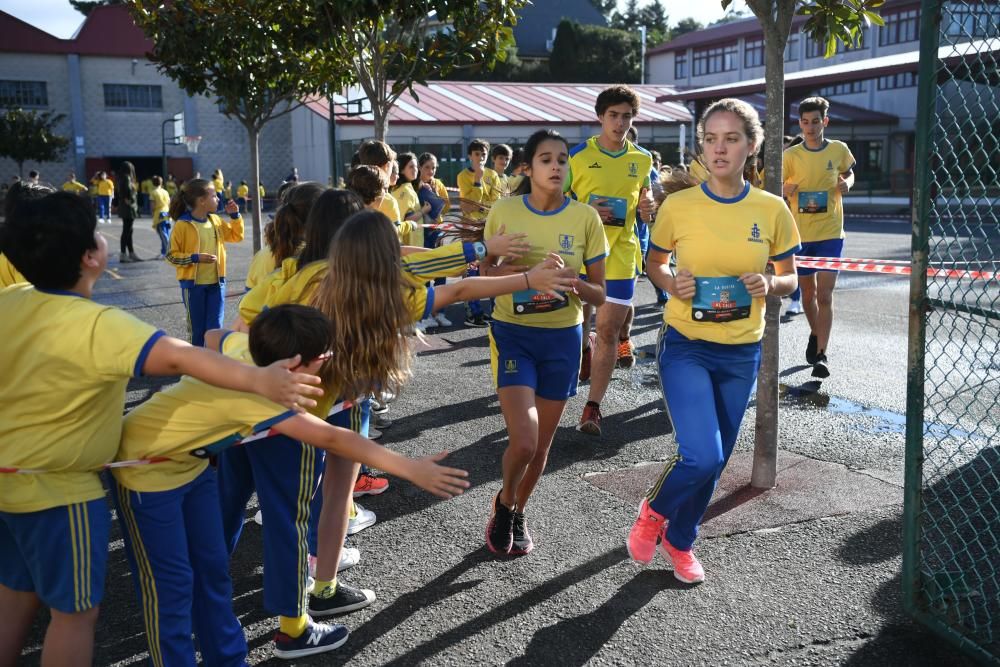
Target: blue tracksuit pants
{"x":206,"y":306}
{"x":284,"y":473}
{"x":706,"y":387}
{"x":175,"y":547}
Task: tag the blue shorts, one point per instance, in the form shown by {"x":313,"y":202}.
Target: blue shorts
{"x":60,"y":554}
{"x":620,"y":291}
{"x":547,"y":360}
{"x":827,"y":248}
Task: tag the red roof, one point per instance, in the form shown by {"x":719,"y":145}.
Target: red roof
{"x":107,"y":31}
{"x":469,"y":102}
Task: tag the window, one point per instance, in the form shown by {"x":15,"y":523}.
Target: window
{"x":972,"y":19}
{"x":23,"y":94}
{"x":814,"y":49}
{"x":753,"y":53}
{"x":901,"y":80}
{"x":792,"y":48}
{"x":124,"y":96}
{"x":846,"y":88}
{"x":861,"y":42}
{"x":868,"y":154}
{"x":681,"y":66}
{"x":899,"y":27}
{"x":717,"y":59}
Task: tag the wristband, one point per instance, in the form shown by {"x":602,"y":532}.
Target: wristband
{"x":480,"y":249}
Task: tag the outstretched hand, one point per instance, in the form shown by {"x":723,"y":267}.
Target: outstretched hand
{"x":507,"y":245}
{"x":282,"y":385}
{"x":439,"y":480}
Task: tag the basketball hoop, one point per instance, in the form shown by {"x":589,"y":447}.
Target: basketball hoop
{"x":192,"y":143}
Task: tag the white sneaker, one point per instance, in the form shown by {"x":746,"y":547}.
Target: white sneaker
{"x":349,"y":557}
{"x":420,"y":328}
{"x":360,"y":519}
{"x":442,"y":320}
{"x":794,"y":308}
{"x":258,"y":518}
{"x":428,"y":323}
{"x":387,"y":396}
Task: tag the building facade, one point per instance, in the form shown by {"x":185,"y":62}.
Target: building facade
{"x":872,"y":85}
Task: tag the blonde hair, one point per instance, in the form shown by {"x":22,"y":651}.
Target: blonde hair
{"x":363,"y":295}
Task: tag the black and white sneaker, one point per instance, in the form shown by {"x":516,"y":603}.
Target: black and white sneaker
{"x":318,"y":638}
{"x":379,"y":407}
{"x":522,"y":543}
{"x":500,"y":528}
{"x":476,"y":321}
{"x":820,"y":368}
{"x":344,"y":600}
{"x":380,"y":422}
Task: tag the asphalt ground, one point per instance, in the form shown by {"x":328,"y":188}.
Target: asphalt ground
{"x":816,"y":586}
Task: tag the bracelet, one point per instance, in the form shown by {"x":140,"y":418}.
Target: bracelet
{"x":525,"y":274}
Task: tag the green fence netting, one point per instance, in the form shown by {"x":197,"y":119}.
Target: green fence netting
{"x":951,"y":564}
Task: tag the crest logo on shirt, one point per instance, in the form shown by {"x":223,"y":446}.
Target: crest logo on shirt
{"x":596,"y":165}
{"x":829,"y":165}
{"x":566,"y":243}
{"x":510,"y":366}
{"x":755,"y":234}
{"x":633,"y":169}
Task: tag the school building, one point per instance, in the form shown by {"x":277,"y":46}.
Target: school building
{"x":117,"y":106}
{"x":872,"y":88}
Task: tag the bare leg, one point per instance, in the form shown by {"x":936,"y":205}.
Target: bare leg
{"x":521,"y":416}
{"x":626,"y":329}
{"x":338,"y":492}
{"x":19,"y":611}
{"x":610,"y":317}
{"x":588,"y":312}
{"x":549,"y":413}
{"x":69,"y":641}
{"x":825,"y":283}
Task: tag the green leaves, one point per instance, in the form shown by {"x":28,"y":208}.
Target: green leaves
{"x":30,"y":135}
{"x":834,"y":22}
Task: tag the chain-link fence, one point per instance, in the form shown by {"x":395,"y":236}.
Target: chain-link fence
{"x":952,"y":529}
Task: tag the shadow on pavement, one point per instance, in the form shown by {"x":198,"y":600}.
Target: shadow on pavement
{"x":578,"y":632}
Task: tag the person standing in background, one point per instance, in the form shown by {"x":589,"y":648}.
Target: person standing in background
{"x":128,"y":210}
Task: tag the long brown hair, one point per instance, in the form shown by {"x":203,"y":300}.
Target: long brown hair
{"x":285,"y":236}
{"x":187,"y":195}
{"x":363,"y":295}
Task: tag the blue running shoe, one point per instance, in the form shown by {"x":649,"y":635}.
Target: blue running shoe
{"x":317,"y":638}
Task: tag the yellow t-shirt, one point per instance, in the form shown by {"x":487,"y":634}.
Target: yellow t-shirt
{"x":261,"y":265}
{"x":408,"y":203}
{"x":160,"y":201}
{"x":188,"y":416}
{"x":74,"y":186}
{"x":219,"y":184}
{"x":207,"y":273}
{"x":483,"y":192}
{"x":817,"y":206}
{"x":170,"y":187}
{"x":105,"y":187}
{"x":615,"y":177}
{"x":573,"y":230}
{"x":66,"y":361}
{"x":146,"y":186}
{"x":718,"y":240}
{"x":8,"y":274}
{"x":243,"y":191}
{"x":514,"y":182}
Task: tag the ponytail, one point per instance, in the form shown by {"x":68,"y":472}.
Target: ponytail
{"x":288,"y":231}
{"x":187,"y":195}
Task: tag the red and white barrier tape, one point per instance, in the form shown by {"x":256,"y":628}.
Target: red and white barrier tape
{"x":339,"y":407}
{"x":893,"y":269}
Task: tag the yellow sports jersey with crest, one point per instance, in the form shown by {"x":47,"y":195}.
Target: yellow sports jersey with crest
{"x":573,"y":230}
{"x":718,"y":240}
{"x":160,"y":203}
{"x":187,"y":417}
{"x":817,"y":205}
{"x":74,"y":186}
{"x":66,"y":361}
{"x":613,"y":179}
{"x":260,"y":266}
{"x":410,"y":232}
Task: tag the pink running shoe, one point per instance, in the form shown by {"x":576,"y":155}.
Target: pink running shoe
{"x":686,"y":566}
{"x":645,"y":531}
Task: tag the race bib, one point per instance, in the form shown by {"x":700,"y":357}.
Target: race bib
{"x":813,"y":201}
{"x":531,"y":301}
{"x":618,"y":206}
{"x":720,"y":300}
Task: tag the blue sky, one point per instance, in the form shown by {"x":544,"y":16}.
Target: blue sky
{"x":60,"y":19}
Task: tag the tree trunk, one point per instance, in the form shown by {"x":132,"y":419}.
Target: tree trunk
{"x":253,"y":134}
{"x":765,"y":453}
{"x":380,"y":115}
